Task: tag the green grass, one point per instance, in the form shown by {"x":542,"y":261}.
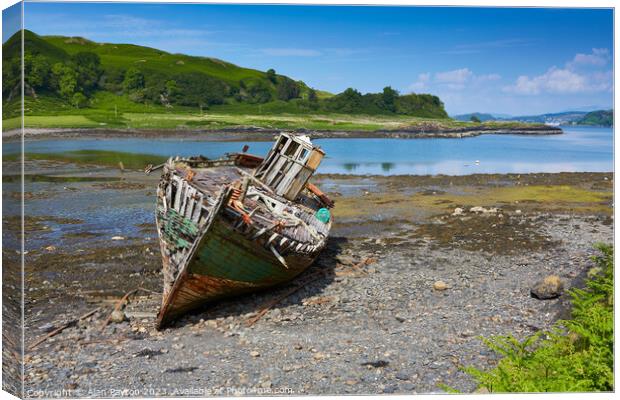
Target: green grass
{"x":112,"y":111}
{"x":11,"y":123}
{"x":109,"y":111}
{"x":95,"y":157}
{"x":577,"y":355}
{"x":146,"y":58}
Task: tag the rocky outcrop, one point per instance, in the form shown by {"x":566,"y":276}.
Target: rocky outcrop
{"x":251,"y":133}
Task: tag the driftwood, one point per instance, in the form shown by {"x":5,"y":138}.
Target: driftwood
{"x":121,"y":302}
{"x":278,"y":299}
{"x":117,"y":307}
{"x":62,"y":328}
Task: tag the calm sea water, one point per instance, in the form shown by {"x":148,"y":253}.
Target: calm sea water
{"x":578,"y":149}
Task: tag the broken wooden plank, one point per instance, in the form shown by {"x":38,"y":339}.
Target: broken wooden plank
{"x":62,"y":328}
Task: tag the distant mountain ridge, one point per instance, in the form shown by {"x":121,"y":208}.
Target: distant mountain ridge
{"x":599,"y":117}
{"x":480,"y":116}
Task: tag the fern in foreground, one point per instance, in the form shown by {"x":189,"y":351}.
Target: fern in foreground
{"x":575,"y":356}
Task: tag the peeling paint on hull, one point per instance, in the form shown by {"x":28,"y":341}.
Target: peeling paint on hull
{"x":228,"y":265}
{"x":224,"y":232}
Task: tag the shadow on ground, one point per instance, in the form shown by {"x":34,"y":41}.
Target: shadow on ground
{"x":307,"y":282}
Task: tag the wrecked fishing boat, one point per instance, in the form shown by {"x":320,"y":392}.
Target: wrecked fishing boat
{"x":238,"y":224}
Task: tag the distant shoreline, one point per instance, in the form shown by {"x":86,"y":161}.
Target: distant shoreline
{"x":256,"y":134}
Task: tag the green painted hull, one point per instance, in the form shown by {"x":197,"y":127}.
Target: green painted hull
{"x":216,"y":244}
{"x":226,"y":264}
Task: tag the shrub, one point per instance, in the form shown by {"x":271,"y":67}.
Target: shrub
{"x":575,"y":356}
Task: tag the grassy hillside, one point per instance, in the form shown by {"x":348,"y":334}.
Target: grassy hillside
{"x":599,"y":118}
{"x":95,"y":84}
{"x":124,"y":56}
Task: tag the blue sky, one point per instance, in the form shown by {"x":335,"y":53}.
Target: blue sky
{"x":514,"y":61}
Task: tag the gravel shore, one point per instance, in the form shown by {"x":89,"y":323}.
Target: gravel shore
{"x":375,"y":323}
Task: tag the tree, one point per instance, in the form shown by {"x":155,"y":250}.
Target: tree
{"x":134,"y":79}
{"x":79,"y":100}
{"x":171,"y":88}
{"x":36,"y":70}
{"x":64,"y":80}
{"x":474,"y":118}
{"x":11,"y":78}
{"x":312,"y":97}
{"x":388,"y":98}
{"x":258,"y":92}
{"x":287,"y":89}
{"x":199,"y":89}
{"x":349,"y":101}
{"x":271,"y":75}
{"x":88,"y":69}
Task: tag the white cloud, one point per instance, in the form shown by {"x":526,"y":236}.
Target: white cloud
{"x":488,"y":77}
{"x":421,"y":83}
{"x":291,"y":52}
{"x":570,"y":79}
{"x":555,"y":80}
{"x":453,"y":80}
{"x":457,"y":76}
{"x":598,"y":57}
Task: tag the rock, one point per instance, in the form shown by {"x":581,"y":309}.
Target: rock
{"x":148,"y":353}
{"x":266,"y":385}
{"x":482,"y":390}
{"x":50,"y":248}
{"x":517,"y":211}
{"x":345,"y":259}
{"x":181,"y":370}
{"x":47,"y":327}
{"x":549,"y":288}
{"x":117,"y":238}
{"x":390,"y":389}
{"x":376,"y":364}
{"x":118,"y":316}
{"x":402,"y":375}
{"x":440,"y":285}
{"x":482,"y":210}
{"x":255,"y":353}
{"x":298,"y":347}
{"x":457,"y":211}
{"x":409,"y":386}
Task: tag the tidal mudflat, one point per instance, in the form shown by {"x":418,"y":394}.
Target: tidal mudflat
{"x":376,"y":323}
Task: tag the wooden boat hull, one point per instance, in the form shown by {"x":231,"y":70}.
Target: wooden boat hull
{"x":238,"y":224}
{"x":228,"y":264}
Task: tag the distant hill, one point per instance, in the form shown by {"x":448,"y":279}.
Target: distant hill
{"x":600,"y":118}
{"x":481,"y":116}
{"x":73,"y":72}
{"x":562,"y":118}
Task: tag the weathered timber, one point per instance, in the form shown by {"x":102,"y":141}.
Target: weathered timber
{"x":237,"y":224}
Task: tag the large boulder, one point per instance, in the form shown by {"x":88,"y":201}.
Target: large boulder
{"x":549,"y":288}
